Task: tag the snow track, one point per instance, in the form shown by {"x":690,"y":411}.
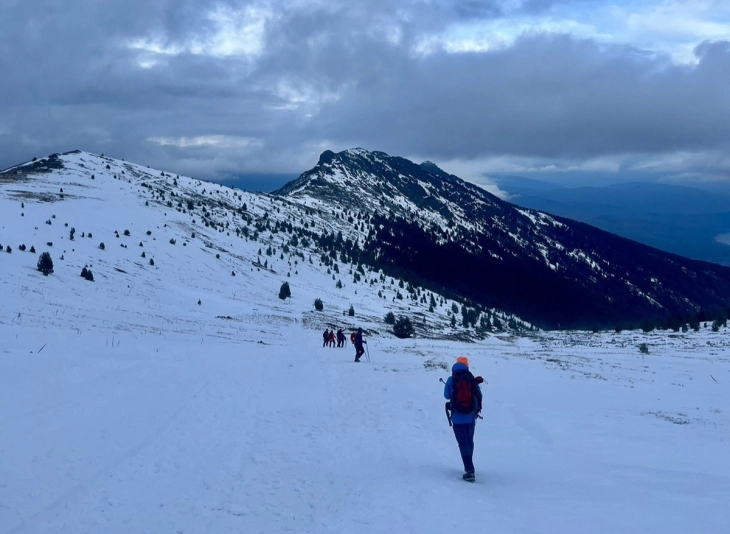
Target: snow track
{"x":175,"y":435}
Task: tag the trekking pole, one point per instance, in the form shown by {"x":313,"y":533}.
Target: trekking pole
{"x":367,"y":349}
{"x":447,"y":406}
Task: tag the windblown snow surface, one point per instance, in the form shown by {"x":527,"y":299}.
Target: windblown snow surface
{"x":127,"y":407}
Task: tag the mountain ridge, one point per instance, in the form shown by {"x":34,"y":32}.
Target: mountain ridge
{"x":237,"y":240}
{"x":610,"y":278}
{"x":385,"y":216}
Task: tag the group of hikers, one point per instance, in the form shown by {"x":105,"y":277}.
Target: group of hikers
{"x":462,"y":391}
{"x":329,"y":338}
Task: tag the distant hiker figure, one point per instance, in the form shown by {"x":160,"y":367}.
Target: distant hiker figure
{"x":332,"y":339}
{"x":325,"y":336}
{"x":465,"y":402}
{"x":340,"y":338}
{"x":359,"y":350}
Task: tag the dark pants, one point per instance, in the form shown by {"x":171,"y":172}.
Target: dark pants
{"x":465,"y":438}
{"x":359,"y":351}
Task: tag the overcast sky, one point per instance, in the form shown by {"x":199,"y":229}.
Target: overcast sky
{"x":217,"y":88}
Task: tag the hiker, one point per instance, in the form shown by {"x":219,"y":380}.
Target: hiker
{"x":465,"y":402}
{"x":359,"y":350}
{"x":332,"y":339}
{"x":340,"y":338}
{"x":326,"y":336}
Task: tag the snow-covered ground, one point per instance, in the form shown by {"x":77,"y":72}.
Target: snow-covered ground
{"x":126,"y":406}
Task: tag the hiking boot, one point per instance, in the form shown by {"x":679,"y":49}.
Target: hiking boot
{"x":469,"y":477}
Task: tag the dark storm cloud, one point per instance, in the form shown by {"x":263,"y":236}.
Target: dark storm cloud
{"x":335,"y":74}
{"x":478,"y":8}
{"x":540,"y":6}
{"x":548,"y":97}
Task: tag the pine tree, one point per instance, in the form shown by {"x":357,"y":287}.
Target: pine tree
{"x":284,"y":291}
{"x":403,"y":328}
{"x":45,"y":263}
{"x":87,"y":274}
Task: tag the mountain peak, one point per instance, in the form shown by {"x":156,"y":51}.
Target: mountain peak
{"x":431,"y":167}
{"x":374,"y":181}
{"x":326,"y":157}
{"x":357,"y":151}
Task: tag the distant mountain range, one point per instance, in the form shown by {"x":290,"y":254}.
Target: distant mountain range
{"x":689,"y":221}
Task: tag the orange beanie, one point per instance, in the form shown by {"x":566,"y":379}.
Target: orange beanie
{"x":463,"y":359}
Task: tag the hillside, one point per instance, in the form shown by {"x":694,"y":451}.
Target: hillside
{"x":179,"y":397}
{"x":454,"y":258}
{"x":241,"y":244}
{"x":448,"y":234}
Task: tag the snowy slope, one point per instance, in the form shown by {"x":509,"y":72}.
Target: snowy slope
{"x":128,"y":407}
{"x":552,"y":271}
{"x":152,"y":206}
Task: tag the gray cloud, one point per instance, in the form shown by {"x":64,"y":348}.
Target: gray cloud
{"x":335,"y":74}
{"x":540,"y":6}
{"x":549,"y":97}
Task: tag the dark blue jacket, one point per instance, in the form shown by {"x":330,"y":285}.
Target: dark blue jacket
{"x":458,"y":418}
{"x":358,"y":338}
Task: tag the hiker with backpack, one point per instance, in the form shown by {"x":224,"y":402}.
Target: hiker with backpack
{"x":340,"y":338}
{"x":326,"y":336}
{"x":465,"y":402}
{"x":359,"y":350}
